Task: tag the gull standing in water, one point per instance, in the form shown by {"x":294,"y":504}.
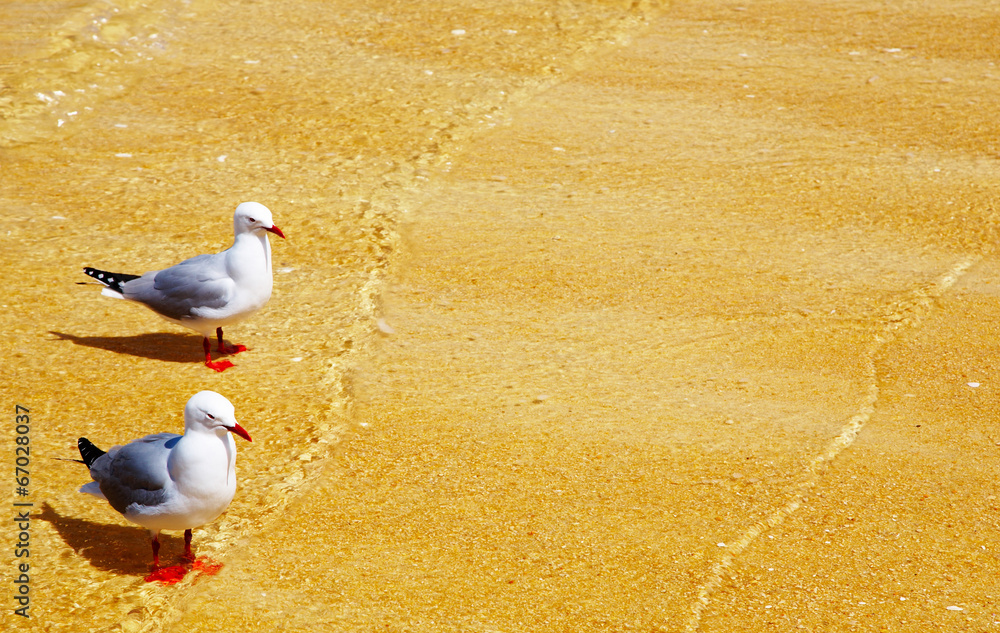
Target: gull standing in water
{"x":207,"y":292}
{"x":168,"y":481}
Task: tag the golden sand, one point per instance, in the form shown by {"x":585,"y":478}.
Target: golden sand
{"x":591,"y":317}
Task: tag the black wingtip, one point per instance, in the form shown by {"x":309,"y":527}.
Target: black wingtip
{"x":88,"y":451}
{"x":111,"y":280}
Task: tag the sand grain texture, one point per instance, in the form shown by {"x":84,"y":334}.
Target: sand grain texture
{"x":648,"y":317}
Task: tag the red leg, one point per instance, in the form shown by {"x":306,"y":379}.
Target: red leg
{"x":167,"y":575}
{"x":221,"y":365}
{"x":187,"y":545}
{"x":228,"y":349}
{"x":156,"y":551}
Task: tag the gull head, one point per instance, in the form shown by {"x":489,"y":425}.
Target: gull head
{"x":212,"y":412}
{"x":251,"y":217}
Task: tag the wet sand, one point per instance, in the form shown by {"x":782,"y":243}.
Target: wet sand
{"x":675,"y":318}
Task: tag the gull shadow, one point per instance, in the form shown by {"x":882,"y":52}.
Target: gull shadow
{"x":118,"y":549}
{"x":168,"y":347}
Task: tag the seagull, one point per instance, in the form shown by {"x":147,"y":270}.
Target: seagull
{"x":168,"y":481}
{"x":207,"y":292}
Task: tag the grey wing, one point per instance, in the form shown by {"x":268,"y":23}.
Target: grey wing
{"x":135,"y":473}
{"x":181,"y":291}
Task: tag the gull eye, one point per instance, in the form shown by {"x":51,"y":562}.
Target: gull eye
{"x":251,"y":219}
{"x":210,"y":416}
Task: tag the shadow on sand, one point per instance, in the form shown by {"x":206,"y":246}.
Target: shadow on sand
{"x":168,"y":347}
{"x":118,"y":549}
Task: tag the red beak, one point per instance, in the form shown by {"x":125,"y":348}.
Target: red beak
{"x":276,"y":231}
{"x":239,"y":430}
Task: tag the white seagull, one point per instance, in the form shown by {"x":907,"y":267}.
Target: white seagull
{"x":168,"y":481}
{"x":207,"y":292}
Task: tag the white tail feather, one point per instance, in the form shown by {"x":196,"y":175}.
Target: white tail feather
{"x":93,"y":488}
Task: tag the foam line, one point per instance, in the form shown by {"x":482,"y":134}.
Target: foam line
{"x":909,"y":311}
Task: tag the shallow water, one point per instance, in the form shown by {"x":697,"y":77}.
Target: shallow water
{"x":681,"y":309}
{"x":130,"y":132}
{"x":61,"y":60}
